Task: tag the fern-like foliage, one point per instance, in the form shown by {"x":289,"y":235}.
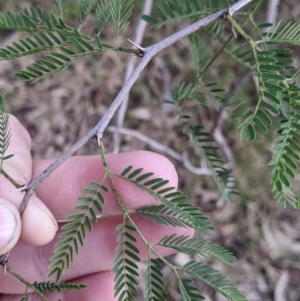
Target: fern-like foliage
{"x":214,"y":279}
{"x":188,"y":291}
{"x":286,"y":152}
{"x":18,"y":21}
{"x":172,"y":11}
{"x":290,"y":33}
{"x":35,"y":19}
{"x":4,"y":132}
{"x":86,"y":6}
{"x":165,"y":216}
{"x":56,"y":62}
{"x":53,"y":34}
{"x":74,"y":231}
{"x":203,"y":141}
{"x":120,"y":11}
{"x":216,"y":28}
{"x":197,"y":91}
{"x":155,"y":286}
{"x":61,"y":5}
{"x":215,"y":92}
{"x":201,"y":53}
{"x":125,"y":263}
{"x":243,"y":55}
{"x":40,"y":42}
{"x":276,"y":96}
{"x":205,"y":144}
{"x":44,"y":287}
{"x":269,"y":68}
{"x":184,"y":92}
{"x":103,"y":15}
{"x":198,"y":247}
{"x":173,"y":211}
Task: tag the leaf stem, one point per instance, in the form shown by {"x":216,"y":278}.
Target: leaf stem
{"x":249,"y":15}
{"x":23,"y":280}
{"x":108,"y":175}
{"x":126,"y":214}
{"x":149,"y":245}
{"x":9,"y":178}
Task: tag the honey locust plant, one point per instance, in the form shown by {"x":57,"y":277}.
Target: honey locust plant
{"x":278,"y":99}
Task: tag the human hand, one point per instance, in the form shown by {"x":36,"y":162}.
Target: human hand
{"x":30,"y":239}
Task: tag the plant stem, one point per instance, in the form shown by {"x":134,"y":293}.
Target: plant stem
{"x":16,"y":275}
{"x":149,"y":245}
{"x":126,"y":214}
{"x":108,"y":175}
{"x":140,"y":29}
{"x":9,"y":178}
{"x":98,"y":130}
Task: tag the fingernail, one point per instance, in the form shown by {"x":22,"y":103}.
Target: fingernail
{"x":10,"y":224}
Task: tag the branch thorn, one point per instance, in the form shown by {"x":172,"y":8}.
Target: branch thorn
{"x":138,"y":47}
{"x":227,"y":15}
{"x":23,"y":188}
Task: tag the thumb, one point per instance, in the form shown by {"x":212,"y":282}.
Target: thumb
{"x":10,"y":225}
{"x":38,"y":225}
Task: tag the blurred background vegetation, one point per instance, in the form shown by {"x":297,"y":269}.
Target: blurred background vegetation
{"x":58,"y":110}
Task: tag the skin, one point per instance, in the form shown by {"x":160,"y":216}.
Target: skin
{"x":31,"y":239}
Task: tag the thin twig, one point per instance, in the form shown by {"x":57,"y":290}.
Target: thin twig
{"x":237,"y":6}
{"x":272,"y":11}
{"x":23,"y":280}
{"x":162,"y":148}
{"x":10,"y":179}
{"x":98,"y":130}
{"x":139,"y":34}
{"x":281,"y":287}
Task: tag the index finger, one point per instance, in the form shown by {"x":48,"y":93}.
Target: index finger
{"x":61,"y":189}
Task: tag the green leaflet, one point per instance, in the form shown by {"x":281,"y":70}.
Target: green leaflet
{"x":40,"y":42}
{"x":213,"y":161}
{"x":86,"y":6}
{"x":162,"y":214}
{"x":74,"y":232}
{"x":32,"y":20}
{"x":172,"y":211}
{"x":270,"y":95}
{"x":175,"y":10}
{"x":214,"y":279}
{"x":195,"y":246}
{"x":103,"y":15}
{"x":189,"y":292}
{"x":290,"y":33}
{"x":201,"y":54}
{"x":125,"y":263}
{"x":56,"y":62}
{"x":54,"y":286}
{"x":184,"y":92}
{"x":5,"y":134}
{"x":155,"y":286}
{"x":120,"y":11}
{"x":52,"y":33}
{"x":285,"y":157}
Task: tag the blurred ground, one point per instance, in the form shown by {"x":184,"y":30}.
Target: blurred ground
{"x":58,"y":110}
